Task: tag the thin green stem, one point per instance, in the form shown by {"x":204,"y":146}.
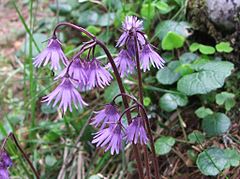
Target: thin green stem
{"x":31,"y":76}
{"x":182,"y":124}
{"x":25,"y":25}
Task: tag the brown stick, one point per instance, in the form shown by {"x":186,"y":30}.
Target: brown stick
{"x":22,"y":151}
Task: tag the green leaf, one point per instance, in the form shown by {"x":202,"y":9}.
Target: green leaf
{"x":106,"y":19}
{"x":167,"y":75}
{"x":169,"y":102}
{"x":87,"y":18}
{"x":39,"y":38}
{"x":93,"y":29}
{"x":233,"y":157}
{"x":211,"y":161}
{"x":209,"y":76}
{"x":194,"y":47}
{"x":224,"y":47}
{"x":227,"y":99}
{"x":180,"y":28}
{"x":147,"y":101}
{"x":164,"y":144}
{"x":64,"y":9}
{"x":206,"y":50}
{"x":50,"y":160}
{"x":148,"y":11}
{"x":163,"y":7}
{"x":202,"y":112}
{"x":216,"y":124}
{"x":172,"y":41}
{"x":196,"y":137}
{"x":188,"y":57}
{"x":184,"y":69}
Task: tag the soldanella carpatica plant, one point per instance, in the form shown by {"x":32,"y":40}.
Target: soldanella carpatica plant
{"x":85,"y":71}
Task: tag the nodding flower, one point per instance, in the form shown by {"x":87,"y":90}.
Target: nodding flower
{"x":67,"y":94}
{"x":110,"y":138}
{"x":53,"y":54}
{"x":133,"y":28}
{"x":125,"y":64}
{"x":148,"y":56}
{"x":135,"y":132}
{"x":107,"y":115}
{"x":98,"y":76}
{"x":77,"y":70}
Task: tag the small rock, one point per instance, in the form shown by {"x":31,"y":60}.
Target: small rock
{"x":223,"y":12}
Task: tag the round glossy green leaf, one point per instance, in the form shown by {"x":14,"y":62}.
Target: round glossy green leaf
{"x":167,"y":75}
{"x":206,"y":50}
{"x":147,"y":101}
{"x":194,"y":47}
{"x":208,"y":76}
{"x":224,"y":47}
{"x":50,"y":160}
{"x":211,"y":161}
{"x":187,"y":57}
{"x":233,"y":157}
{"x":164,"y":144}
{"x":169,"y":102}
{"x":227,"y":99}
{"x":184,"y":69}
{"x":202,"y":112}
{"x":216,"y":124}
{"x":180,"y":28}
{"x":106,"y":19}
{"x":87,"y":18}
{"x":196,"y":137}
{"x":148,"y":10}
{"x":172,"y":41}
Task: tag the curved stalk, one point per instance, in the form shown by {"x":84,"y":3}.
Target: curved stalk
{"x":118,"y":78}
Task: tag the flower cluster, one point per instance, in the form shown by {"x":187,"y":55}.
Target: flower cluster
{"x":126,"y":61}
{"x":5,"y":163}
{"x":84,"y":72}
{"x":111,"y":137}
{"x":77,"y":75}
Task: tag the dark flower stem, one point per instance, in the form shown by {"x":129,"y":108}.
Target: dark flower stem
{"x":140,"y":90}
{"x":140,"y":93}
{"x":125,"y":102}
{"x":119,"y":81}
{"x":11,"y":135}
{"x":126,"y":110}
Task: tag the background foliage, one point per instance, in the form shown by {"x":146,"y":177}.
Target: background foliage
{"x":192,"y":102}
